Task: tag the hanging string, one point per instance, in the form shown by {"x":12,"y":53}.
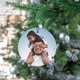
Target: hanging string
{"x":37,"y":30}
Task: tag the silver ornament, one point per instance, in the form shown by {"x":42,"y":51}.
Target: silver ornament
{"x":35,"y":1}
{"x":74,"y":58}
{"x":62,"y":76}
{"x":78,"y":76}
{"x":33,"y":76}
{"x":61,"y":36}
{"x":42,"y":70}
{"x":76,"y":51}
{"x":13,"y":69}
{"x":23,"y":62}
{"x":50,"y":71}
{"x":71,"y":77}
{"x":67,"y":39}
{"x":76,"y":0}
{"x":14,"y":56}
{"x":58,"y":66}
{"x":20,"y":60}
{"x":69,"y":54}
{"x":75,"y":43}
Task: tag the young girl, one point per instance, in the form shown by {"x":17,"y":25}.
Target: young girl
{"x":33,"y":37}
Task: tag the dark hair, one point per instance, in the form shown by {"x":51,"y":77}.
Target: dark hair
{"x":38,"y":38}
{"x":31,"y":33}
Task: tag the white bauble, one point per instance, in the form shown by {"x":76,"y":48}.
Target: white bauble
{"x":61,"y":36}
{"x":13,"y":70}
{"x":40,"y":26}
{"x":67,"y":39}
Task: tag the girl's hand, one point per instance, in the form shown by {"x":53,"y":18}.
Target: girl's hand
{"x":33,"y":46}
{"x":43,"y":46}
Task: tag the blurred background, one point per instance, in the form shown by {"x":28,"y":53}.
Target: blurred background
{"x":8,"y":17}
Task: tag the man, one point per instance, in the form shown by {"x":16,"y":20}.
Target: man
{"x":38,"y":57}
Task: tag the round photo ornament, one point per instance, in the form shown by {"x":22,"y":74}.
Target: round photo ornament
{"x":37,"y":47}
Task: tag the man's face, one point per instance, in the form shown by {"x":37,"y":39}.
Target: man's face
{"x":37,"y":48}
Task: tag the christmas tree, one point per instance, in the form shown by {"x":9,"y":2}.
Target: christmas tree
{"x":61,"y":19}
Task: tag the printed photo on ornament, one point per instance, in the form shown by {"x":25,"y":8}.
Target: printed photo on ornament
{"x":37,"y":48}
